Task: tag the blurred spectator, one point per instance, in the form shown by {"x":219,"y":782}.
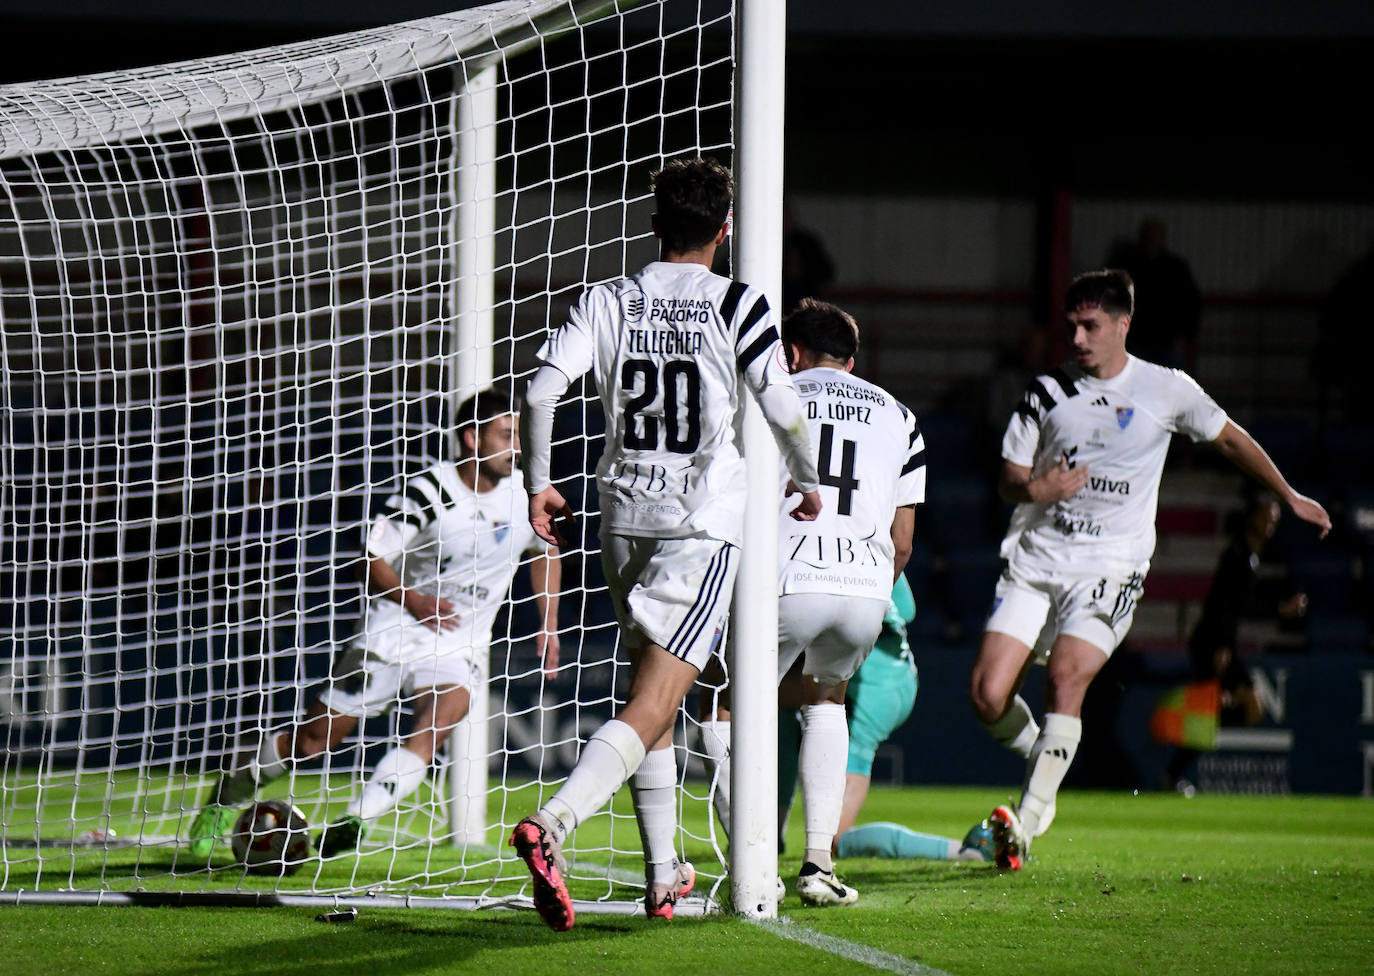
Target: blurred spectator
{"x":806,"y":265}
{"x":1016,"y":366}
{"x":1236,"y":593}
{"x":1345,"y":339}
{"x":1168,"y":305}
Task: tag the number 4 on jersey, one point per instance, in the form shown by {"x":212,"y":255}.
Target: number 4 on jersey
{"x":843,"y":481}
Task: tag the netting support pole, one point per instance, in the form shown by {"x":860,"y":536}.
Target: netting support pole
{"x":474,"y":254}
{"x":759,"y":62}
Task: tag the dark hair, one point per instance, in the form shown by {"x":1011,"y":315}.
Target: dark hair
{"x":1110,"y":289}
{"x":481,"y":408}
{"x":822,"y":328}
{"x":692,"y":199}
{"x":1253,"y":498}
{"x":1258,"y":498}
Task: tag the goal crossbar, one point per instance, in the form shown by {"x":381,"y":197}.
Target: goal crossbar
{"x":117,"y":106}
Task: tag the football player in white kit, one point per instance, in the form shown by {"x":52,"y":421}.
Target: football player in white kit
{"x":835,"y":573}
{"x":441,"y":555}
{"x":672,"y":349}
{"x":1082,"y":458}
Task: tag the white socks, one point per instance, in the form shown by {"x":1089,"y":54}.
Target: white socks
{"x":610,"y":756}
{"x":398,"y":774}
{"x":1017,"y":729}
{"x":1049,"y":760}
{"x":266,"y":765}
{"x":824,"y":753}
{"x":654,"y":786}
{"x":715,"y":743}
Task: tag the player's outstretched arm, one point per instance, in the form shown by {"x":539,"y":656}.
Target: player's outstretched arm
{"x":1055,"y":485}
{"x":1242,"y":450}
{"x":903,"y":527}
{"x":547,"y":506}
{"x":782,"y":410}
{"x":546,"y":577}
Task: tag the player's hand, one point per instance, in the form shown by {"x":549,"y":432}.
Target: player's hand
{"x":1310,"y":511}
{"x":1061,"y":483}
{"x":1294,"y":606}
{"x":809,"y":508}
{"x":547,"y":644}
{"x":436,"y":614}
{"x":547,"y":509}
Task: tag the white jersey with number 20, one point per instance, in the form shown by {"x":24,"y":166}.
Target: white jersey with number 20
{"x":669,"y":348}
{"x":871,"y":459}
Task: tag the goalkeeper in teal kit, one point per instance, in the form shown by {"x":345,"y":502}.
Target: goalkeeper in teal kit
{"x":880,"y":697}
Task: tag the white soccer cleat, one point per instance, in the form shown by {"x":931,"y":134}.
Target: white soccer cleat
{"x":1010,"y":841}
{"x":817,"y":887}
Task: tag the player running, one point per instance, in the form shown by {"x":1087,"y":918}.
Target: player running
{"x":1082,"y":458}
{"x":671,"y":349}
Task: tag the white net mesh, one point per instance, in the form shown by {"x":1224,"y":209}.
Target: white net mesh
{"x":228,"y":324}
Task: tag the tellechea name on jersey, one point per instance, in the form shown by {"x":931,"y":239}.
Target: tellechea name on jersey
{"x":669,"y":342}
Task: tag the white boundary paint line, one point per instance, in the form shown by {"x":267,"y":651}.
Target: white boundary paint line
{"x":786,"y":929}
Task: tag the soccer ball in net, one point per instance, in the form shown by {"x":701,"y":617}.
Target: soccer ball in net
{"x":271,"y":837}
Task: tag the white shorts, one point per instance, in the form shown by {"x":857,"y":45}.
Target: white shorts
{"x":394,"y":657}
{"x":1036,"y":607}
{"x":836,"y":632}
{"x":673,"y":592}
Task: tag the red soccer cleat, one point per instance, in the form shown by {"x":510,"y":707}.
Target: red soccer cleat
{"x":542,"y":855}
{"x":1009,"y":840}
{"x":660,"y":899}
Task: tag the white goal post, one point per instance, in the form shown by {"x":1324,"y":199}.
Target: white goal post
{"x":239,"y":298}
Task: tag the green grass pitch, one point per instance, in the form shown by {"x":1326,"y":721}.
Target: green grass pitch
{"x":1146,"y":884}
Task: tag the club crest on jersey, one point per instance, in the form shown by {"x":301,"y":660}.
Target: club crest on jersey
{"x":501,"y":531}
{"x":632,"y":302}
{"x":1123,"y":416}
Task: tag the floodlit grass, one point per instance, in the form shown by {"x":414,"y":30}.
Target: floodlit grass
{"x":1123,"y":884}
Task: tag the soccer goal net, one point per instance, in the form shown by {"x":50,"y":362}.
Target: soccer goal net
{"x":239,"y":299}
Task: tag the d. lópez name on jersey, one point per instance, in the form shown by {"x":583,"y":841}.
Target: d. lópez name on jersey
{"x":850,"y":412}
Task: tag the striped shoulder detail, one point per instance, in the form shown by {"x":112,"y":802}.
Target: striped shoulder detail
{"x":1045,"y":393}
{"x":419,"y":502}
{"x":1064,"y":380}
{"x":755,"y":333}
{"x":729,"y":305}
{"x":916,"y":443}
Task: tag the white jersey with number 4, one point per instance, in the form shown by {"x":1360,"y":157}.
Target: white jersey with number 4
{"x":669,"y":348}
{"x":1120,"y":429}
{"x":871,"y":458}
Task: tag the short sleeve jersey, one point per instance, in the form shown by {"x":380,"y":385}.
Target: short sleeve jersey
{"x":460,"y":545}
{"x":669,"y":349}
{"x":871,"y":459}
{"x":1120,"y":428}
